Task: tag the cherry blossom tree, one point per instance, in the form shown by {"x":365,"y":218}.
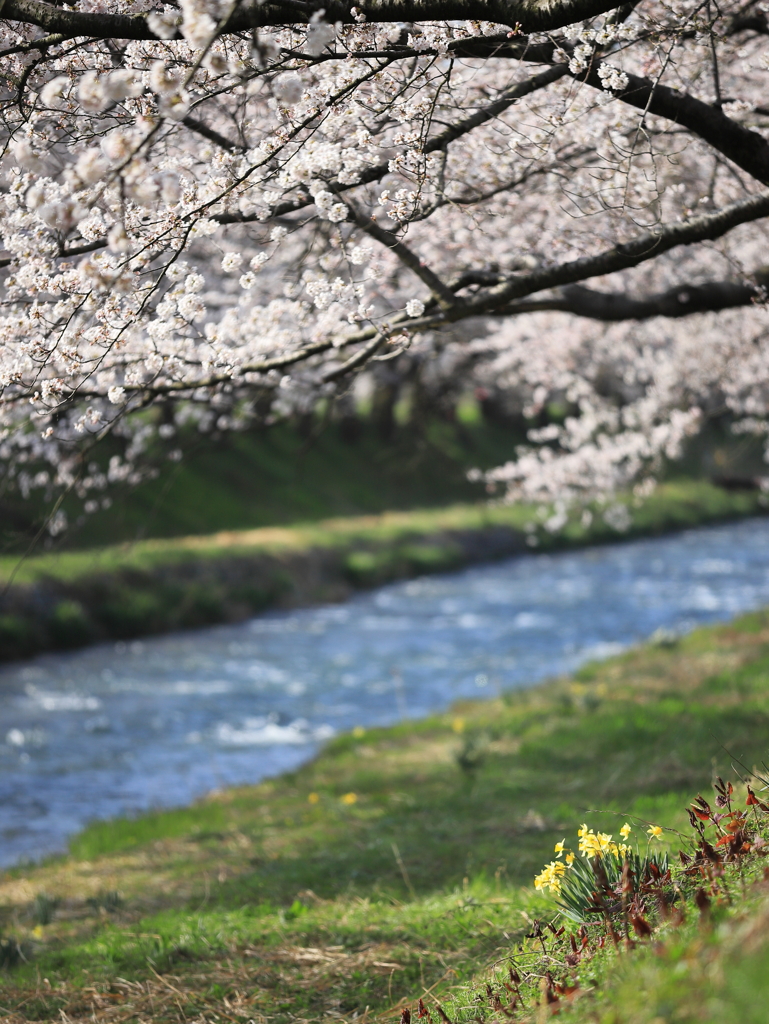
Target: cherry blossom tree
{"x":220,"y":210}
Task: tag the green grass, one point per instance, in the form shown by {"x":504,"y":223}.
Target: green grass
{"x":675,"y":505}
{"x":698,"y":965}
{"x":70,"y":598}
{"x":285,"y":901}
{"x":277,"y":476}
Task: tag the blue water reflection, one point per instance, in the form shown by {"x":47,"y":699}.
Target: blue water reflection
{"x":121,"y":727}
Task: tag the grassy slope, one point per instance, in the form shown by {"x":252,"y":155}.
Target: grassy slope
{"x":674,"y":505}
{"x":152,"y":562}
{"x":279,"y":476}
{"x":73,"y":598}
{"x":284,"y":901}
{"x":287,"y":475}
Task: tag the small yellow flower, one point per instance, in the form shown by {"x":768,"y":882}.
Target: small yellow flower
{"x":37,"y":931}
{"x":458,"y":725}
{"x":559,"y":847}
{"x":570,"y":858}
{"x":625,"y":830}
{"x":359,"y":732}
{"x":588,"y":842}
{"x":313,"y":798}
{"x":655,"y":831}
{"x":349,"y":799}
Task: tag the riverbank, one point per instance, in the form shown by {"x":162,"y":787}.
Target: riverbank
{"x":73,"y":598}
{"x":399,"y":864}
{"x":270,"y":477}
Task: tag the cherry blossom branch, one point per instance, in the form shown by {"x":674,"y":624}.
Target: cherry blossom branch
{"x":438,"y":142}
{"x":498,"y":301}
{"x":443,"y":295}
{"x":743,"y":146}
{"x":531,"y":15}
{"x":75,"y":250}
{"x":682,"y":300}
{"x":625,"y":255}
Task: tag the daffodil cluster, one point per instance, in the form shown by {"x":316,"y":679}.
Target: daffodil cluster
{"x":591,"y":844}
{"x":598,"y":844}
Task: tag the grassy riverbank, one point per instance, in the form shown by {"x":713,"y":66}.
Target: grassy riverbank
{"x":276,"y":476}
{"x":72,"y":598}
{"x":399,"y":864}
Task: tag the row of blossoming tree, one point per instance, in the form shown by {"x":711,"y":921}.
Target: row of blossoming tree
{"x":226,"y":209}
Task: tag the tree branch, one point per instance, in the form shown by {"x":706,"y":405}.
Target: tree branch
{"x":531,"y":15}
{"x":501,"y":44}
{"x":680,"y":301}
{"x":357,"y":360}
{"x":629,"y":254}
{"x":501,"y":299}
{"x":211,"y":134}
{"x":442,"y":294}
{"x":36,"y":44}
{"x":744,"y":147}
{"x":433,"y":145}
{"x":76,"y":250}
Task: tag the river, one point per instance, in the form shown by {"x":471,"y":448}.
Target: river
{"x":119,"y":728}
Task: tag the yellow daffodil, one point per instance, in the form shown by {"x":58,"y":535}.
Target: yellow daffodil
{"x":588,"y":844}
{"x":625,"y":830}
{"x":570,"y":858}
{"x":349,"y":799}
{"x":550,"y":876}
{"x":313,"y":798}
{"x":594,"y":845}
{"x":654,"y":831}
{"x":559,"y":847}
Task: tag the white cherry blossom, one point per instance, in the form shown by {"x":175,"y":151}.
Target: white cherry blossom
{"x":211,"y":211}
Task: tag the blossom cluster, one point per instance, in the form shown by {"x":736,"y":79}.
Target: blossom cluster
{"x":228,"y":225}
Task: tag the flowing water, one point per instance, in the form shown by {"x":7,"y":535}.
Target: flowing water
{"x":119,"y":728}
